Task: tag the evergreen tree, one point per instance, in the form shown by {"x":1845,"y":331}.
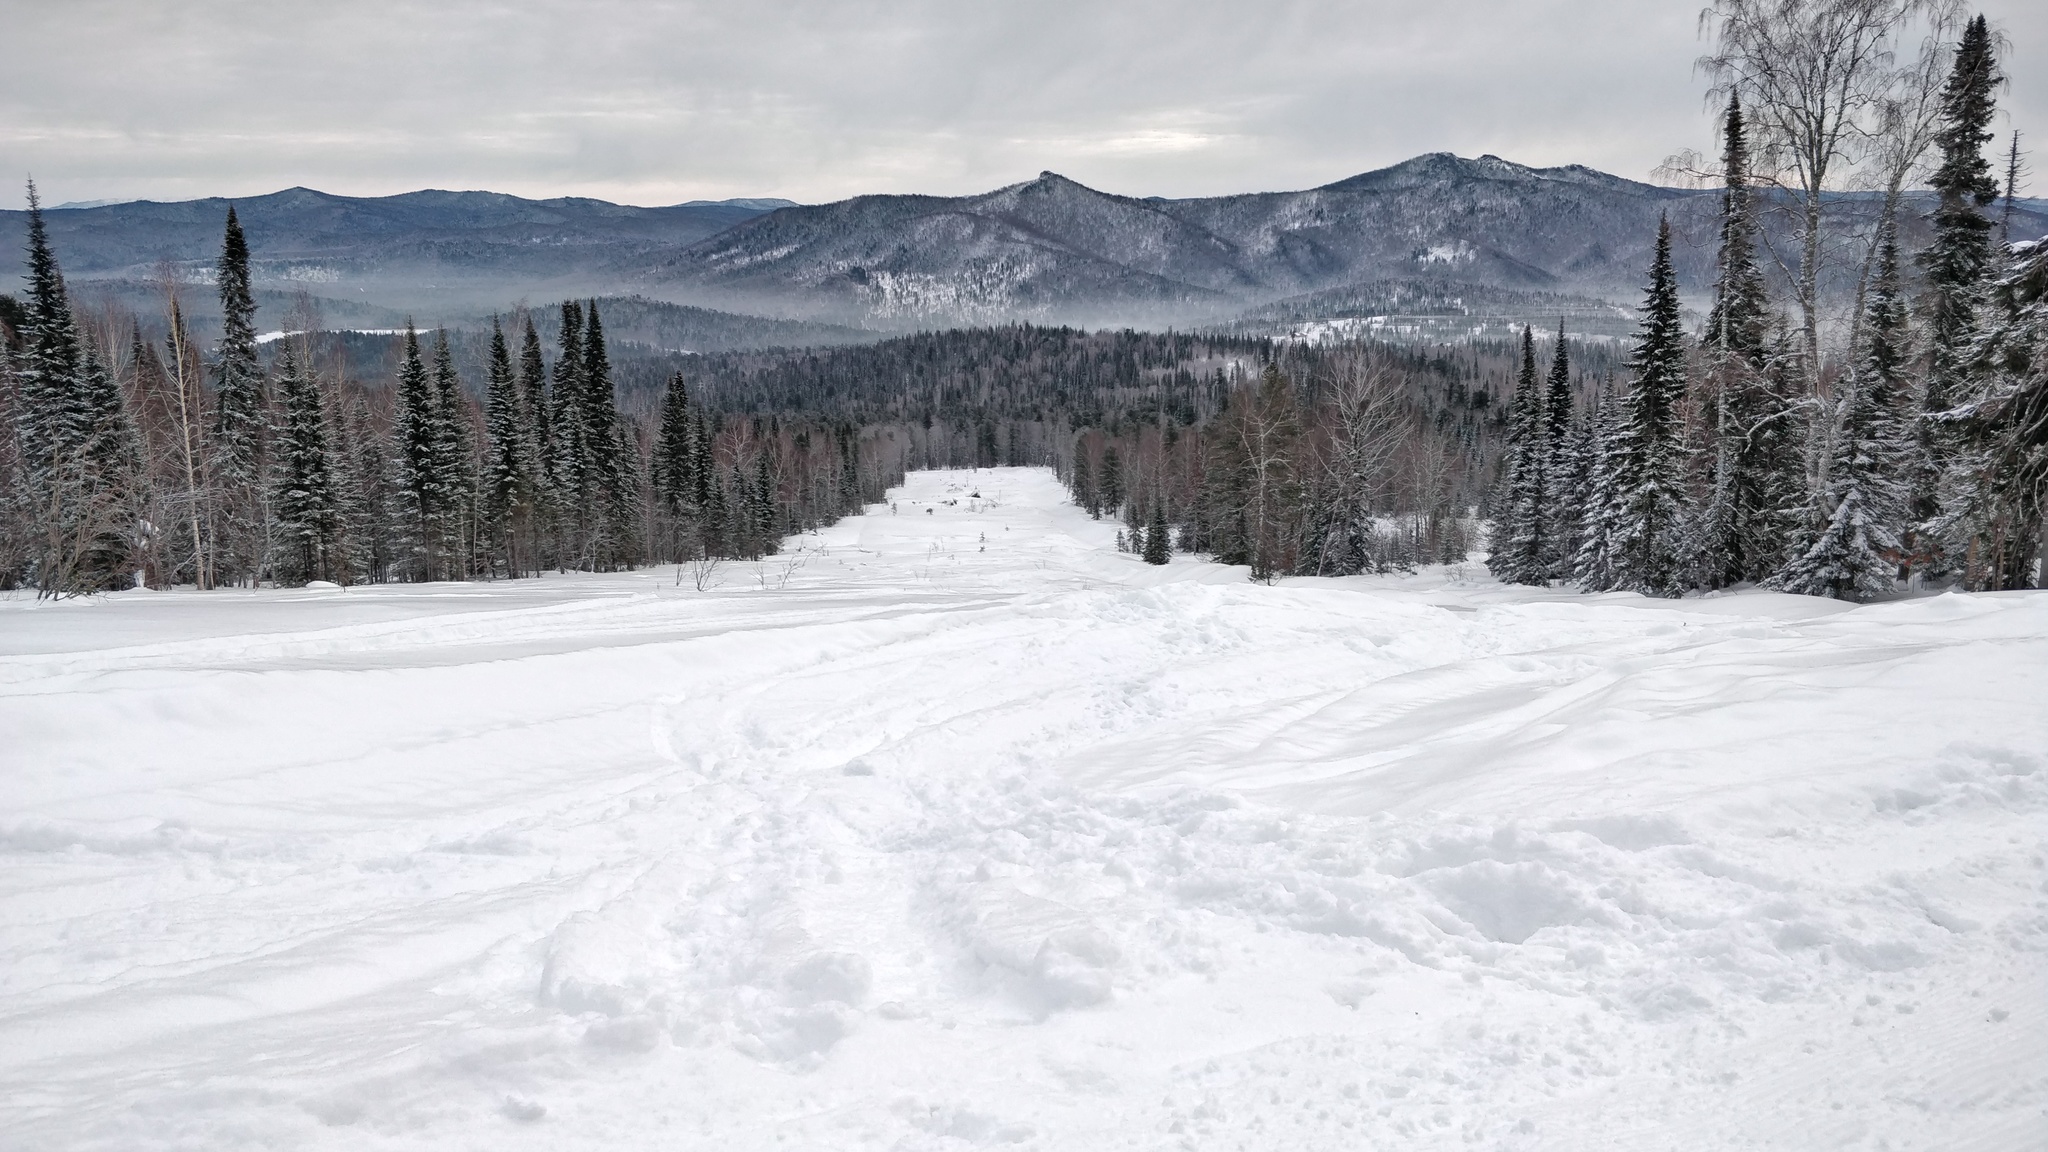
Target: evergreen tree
{"x":1560,"y":467}
{"x":1999,"y":479}
{"x":109,"y":482}
{"x":569,"y":442}
{"x":1960,"y":257}
{"x":609,"y":460}
{"x":238,"y":431}
{"x":852,"y":497}
{"x":2012,"y":189}
{"x":310,"y":525}
{"x":510,"y":487}
{"x":1597,"y":565}
{"x":1859,"y":510}
{"x":1158,"y":548}
{"x":454,"y":460}
{"x":628,"y":504}
{"x":1083,"y":482}
{"x":1110,"y":487}
{"x":80,"y":460}
{"x":1736,"y":528}
{"x":600,"y":412}
{"x":718,"y":525}
{"x":50,"y":416}
{"x":366,"y":499}
{"x":674,"y":450}
{"x":703,"y":476}
{"x":1739,"y":316}
{"x":1651,"y":492}
{"x":1576,"y":515}
{"x":767,"y":509}
{"x":1518,"y":554}
{"x":422,"y":496}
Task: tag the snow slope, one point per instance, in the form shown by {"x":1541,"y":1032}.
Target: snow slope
{"x":961,"y":829}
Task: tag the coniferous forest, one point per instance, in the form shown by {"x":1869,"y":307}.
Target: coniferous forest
{"x":1910,"y":450}
{"x":1745,"y":453}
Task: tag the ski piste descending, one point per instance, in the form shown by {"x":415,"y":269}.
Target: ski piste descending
{"x":955,"y":827}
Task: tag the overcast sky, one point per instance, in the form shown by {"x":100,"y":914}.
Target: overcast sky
{"x":649,"y":102}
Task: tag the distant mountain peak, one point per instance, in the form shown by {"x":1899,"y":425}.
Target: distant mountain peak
{"x":1449,"y":167}
{"x":1051,"y":179}
{"x":759,"y":203}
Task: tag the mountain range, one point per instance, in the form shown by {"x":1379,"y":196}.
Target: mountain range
{"x":1046,"y":250}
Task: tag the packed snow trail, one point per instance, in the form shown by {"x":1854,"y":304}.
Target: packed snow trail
{"x":959,"y":828}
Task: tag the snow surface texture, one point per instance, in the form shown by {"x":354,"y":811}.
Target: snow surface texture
{"x":961,"y":829}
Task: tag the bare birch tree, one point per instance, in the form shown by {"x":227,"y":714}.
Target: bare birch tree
{"x":1818,"y":81}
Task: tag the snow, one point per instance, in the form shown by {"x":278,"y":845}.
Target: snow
{"x":960,"y":829}
{"x":279,"y":334}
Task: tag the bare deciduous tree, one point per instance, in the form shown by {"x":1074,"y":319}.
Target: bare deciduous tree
{"x":1819,"y":82}
{"x":1368,"y":428}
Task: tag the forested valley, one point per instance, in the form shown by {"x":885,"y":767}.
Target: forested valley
{"x":1846,"y":448}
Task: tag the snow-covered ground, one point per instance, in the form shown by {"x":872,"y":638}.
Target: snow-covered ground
{"x":967,"y":830}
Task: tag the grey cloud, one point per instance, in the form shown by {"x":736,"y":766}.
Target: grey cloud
{"x":660,"y":102}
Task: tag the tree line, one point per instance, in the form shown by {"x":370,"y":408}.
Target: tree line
{"x":128,"y":461}
{"x":1287,"y":457}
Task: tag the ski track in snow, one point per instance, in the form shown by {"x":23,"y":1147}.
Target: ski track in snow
{"x":945,"y":845}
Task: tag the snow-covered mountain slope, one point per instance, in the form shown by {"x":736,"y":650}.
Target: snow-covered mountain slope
{"x":439,"y":254}
{"x":958,"y":828}
{"x":1051,"y":248}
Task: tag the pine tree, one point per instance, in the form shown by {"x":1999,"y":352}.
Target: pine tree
{"x":419,"y":455}
{"x":80,"y":459}
{"x":1518,"y":557}
{"x":238,"y":431}
{"x":674,"y":481}
{"x":1111,"y":485}
{"x":454,"y":460}
{"x":309,"y":516}
{"x":1960,"y":257}
{"x":1739,"y":316}
{"x":600,"y":412}
{"x":852,"y":496}
{"x":2013,"y":168}
{"x":510,"y":486}
{"x":718,"y":525}
{"x":1999,"y":478}
{"x":1560,"y":466}
{"x":1651,"y":489}
{"x":628,"y":504}
{"x":1158,"y":548}
{"x":366,"y":499}
{"x":50,"y":417}
{"x":609,"y":461}
{"x":767,"y":509}
{"x":1083,"y":482}
{"x":1574,"y":486}
{"x":703,"y":476}
{"x":1859,"y":510}
{"x":1736,"y":526}
{"x":109,"y":481}
{"x":1597,"y":565}
{"x":568,"y":440}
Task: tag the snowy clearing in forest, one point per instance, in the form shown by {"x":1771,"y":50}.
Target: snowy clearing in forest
{"x":959,"y":828}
